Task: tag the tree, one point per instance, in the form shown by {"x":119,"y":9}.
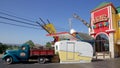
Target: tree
{"x":0,"y":43}
{"x":15,"y":47}
{"x":48,"y":44}
{"x":30,"y":42}
{"x":3,"y":47}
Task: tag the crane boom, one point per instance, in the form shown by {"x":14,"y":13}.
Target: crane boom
{"x":79,"y":18}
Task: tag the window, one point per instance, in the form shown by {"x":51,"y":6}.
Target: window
{"x":119,"y":23}
{"x":23,"y":48}
{"x":56,"y":47}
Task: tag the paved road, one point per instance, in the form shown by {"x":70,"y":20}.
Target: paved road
{"x":113,"y":63}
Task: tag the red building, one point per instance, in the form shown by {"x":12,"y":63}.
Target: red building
{"x":105,"y":20}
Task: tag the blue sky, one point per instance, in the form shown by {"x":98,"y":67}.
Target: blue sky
{"x":57,"y":11}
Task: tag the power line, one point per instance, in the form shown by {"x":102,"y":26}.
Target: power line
{"x":24,"y":20}
{"x":18,"y":21}
{"x":18,"y":25}
{"x":16,"y":17}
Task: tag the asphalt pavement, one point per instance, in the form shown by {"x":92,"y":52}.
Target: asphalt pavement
{"x":112,"y":63}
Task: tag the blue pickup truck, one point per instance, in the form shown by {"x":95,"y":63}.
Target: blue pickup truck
{"x":24,"y":53}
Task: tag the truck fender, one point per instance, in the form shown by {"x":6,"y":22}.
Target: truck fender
{"x":14,"y":58}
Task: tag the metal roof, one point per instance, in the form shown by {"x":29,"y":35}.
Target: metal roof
{"x":84,"y":36}
{"x":118,"y":9}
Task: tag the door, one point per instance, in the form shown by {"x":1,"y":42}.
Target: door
{"x":70,"y":50}
{"x":23,"y":52}
{"x":101,"y":43}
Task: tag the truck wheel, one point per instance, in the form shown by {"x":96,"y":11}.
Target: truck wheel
{"x":41,"y":60}
{"x":8,"y":60}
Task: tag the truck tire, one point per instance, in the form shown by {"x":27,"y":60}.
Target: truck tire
{"x":41,"y":60}
{"x":8,"y":60}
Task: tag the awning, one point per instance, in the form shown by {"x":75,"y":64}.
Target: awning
{"x":63,"y":35}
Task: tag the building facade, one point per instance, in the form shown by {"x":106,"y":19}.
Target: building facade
{"x":105,"y":22}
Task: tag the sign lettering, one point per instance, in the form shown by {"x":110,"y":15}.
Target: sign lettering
{"x":100,"y":18}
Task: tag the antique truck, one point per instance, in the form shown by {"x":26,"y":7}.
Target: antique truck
{"x":70,"y":49}
{"x":24,"y":53}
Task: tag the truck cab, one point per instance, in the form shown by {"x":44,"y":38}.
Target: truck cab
{"x":22,"y":54}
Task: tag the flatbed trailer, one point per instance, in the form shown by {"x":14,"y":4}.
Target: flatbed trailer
{"x":41,"y":52}
{"x":42,"y":55}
